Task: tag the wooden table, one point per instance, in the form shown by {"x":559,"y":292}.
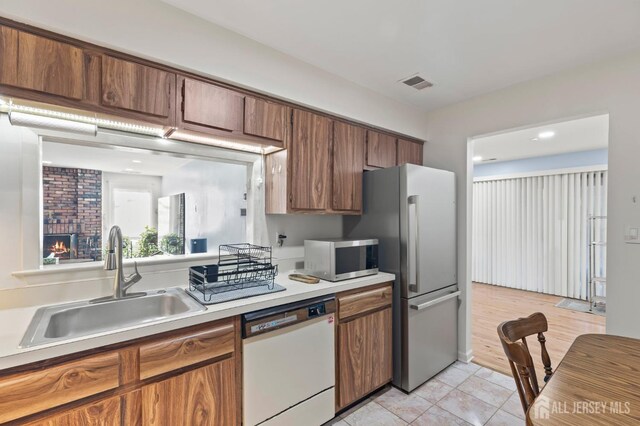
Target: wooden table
{"x":597,"y":383}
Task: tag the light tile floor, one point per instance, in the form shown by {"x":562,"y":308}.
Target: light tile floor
{"x":462,"y":394}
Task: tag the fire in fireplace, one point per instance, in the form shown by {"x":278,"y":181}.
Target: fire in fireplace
{"x":62,"y":246}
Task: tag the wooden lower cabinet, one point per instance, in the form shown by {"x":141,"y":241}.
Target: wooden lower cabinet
{"x":364,"y":345}
{"x":103,"y":413}
{"x":205,"y":396}
{"x":185,"y":377}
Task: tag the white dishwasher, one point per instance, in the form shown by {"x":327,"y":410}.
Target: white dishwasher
{"x":289,"y":364}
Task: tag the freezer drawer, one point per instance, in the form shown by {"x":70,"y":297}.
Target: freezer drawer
{"x":429,"y":335}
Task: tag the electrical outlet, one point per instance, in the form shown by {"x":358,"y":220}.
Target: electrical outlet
{"x":632,"y":235}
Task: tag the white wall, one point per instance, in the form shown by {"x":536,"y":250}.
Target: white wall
{"x":158,"y":31}
{"x":612,"y":86}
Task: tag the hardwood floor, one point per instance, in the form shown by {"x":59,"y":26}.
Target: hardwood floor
{"x":493,"y":305}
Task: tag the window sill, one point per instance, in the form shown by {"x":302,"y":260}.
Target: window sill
{"x":183,"y":260}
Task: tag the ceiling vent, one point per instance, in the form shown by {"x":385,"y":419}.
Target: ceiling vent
{"x":417,"y":82}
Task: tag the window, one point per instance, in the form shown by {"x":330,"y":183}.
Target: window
{"x":165,"y":205}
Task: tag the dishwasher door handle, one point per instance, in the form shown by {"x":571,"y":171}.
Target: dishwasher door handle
{"x":434,"y":302}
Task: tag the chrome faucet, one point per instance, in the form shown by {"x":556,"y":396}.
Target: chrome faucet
{"x":113,"y":262}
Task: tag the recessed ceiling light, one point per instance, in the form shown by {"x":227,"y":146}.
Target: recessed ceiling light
{"x":477,"y":158}
{"x":136,"y":161}
{"x":128,"y":170}
{"x":547,"y":134}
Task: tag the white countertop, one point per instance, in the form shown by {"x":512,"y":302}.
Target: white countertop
{"x":14,"y":322}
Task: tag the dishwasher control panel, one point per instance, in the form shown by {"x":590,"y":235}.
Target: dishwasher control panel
{"x":316,"y":310}
{"x":272,"y":319}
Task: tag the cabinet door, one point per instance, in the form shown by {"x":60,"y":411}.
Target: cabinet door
{"x":209,"y":106}
{"x":138,"y":88}
{"x":205,"y":396}
{"x":276,"y":183}
{"x":265,"y":119}
{"x":8,"y":56}
{"x":409,"y":152}
{"x":103,"y":413}
{"x":381,"y":150}
{"x":348,"y":163}
{"x":364,"y":352}
{"x":50,"y":66}
{"x":309,"y":182}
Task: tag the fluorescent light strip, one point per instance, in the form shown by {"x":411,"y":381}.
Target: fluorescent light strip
{"x":206,"y":140}
{"x":100,"y":122}
{"x":17,"y":118}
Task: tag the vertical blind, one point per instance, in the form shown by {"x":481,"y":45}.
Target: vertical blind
{"x":530,"y":233}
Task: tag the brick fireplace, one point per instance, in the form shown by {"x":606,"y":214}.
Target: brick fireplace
{"x":72,"y":212}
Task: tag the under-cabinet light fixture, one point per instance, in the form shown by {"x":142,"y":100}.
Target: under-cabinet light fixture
{"x":175,"y":134}
{"x":17,"y":118}
{"x":477,"y":158}
{"x":77,"y":123}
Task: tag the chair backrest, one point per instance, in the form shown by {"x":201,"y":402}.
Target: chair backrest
{"x":513,"y":337}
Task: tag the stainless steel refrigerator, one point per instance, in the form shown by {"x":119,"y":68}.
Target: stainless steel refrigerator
{"x":411,"y":211}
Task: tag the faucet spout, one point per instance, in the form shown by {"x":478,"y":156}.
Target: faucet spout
{"x":113,"y":262}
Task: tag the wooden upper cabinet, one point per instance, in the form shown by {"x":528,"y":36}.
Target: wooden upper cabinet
{"x":348,"y":163}
{"x":409,"y":152}
{"x":310,"y":160}
{"x":207,"y":106}
{"x":138,"y":88}
{"x":46,"y":65}
{"x":8,"y":56}
{"x":266,"y":119}
{"x":381,"y":150}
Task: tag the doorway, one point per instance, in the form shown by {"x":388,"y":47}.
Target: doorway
{"x":539,"y":232}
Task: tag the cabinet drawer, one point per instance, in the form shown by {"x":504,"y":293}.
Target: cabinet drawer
{"x":28,"y":393}
{"x":187,"y":349}
{"x":351,"y":304}
{"x":105,"y":413}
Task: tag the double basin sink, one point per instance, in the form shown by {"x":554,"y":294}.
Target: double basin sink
{"x":62,"y":322}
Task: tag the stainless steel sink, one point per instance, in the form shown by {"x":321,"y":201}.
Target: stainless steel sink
{"x":61,"y":322}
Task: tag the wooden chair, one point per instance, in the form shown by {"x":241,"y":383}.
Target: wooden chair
{"x":513,"y":337}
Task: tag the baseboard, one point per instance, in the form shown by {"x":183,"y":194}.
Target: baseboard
{"x":466,"y":357}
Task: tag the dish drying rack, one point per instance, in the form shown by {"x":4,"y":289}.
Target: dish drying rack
{"x":243,"y":270}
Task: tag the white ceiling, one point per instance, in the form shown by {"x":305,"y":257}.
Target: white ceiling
{"x":465,"y":47}
{"x":570,"y":136}
{"x":110,"y":160}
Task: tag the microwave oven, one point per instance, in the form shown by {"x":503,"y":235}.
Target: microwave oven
{"x":338,"y":259}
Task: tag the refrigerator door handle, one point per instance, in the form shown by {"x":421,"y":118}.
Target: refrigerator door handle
{"x":414,"y":200}
{"x":437,"y":301}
